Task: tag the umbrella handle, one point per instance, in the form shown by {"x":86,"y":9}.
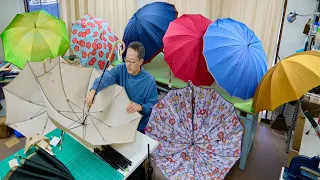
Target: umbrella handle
{"x":44,"y":64}
{"x":114,"y":45}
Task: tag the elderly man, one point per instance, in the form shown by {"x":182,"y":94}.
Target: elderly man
{"x":138,"y":83}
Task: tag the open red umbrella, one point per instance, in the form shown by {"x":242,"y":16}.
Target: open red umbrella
{"x":183,"y":45}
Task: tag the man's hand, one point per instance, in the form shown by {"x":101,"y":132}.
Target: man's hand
{"x":89,"y":98}
{"x":134,"y":107}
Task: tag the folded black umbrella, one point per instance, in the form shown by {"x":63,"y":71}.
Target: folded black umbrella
{"x":40,"y":166}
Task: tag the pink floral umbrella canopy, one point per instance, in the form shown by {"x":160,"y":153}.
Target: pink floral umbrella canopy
{"x":203,"y":141}
{"x":92,"y":40}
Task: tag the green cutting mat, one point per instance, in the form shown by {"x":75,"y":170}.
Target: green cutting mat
{"x":81,"y":162}
{"x":159,"y":68}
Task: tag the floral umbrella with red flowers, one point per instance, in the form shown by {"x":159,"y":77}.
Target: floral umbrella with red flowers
{"x":92,"y":40}
{"x":202,"y":141}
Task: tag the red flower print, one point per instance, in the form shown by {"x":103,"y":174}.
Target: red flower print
{"x":205,"y":137}
{"x":220,"y":135}
{"x":149,"y":129}
{"x":91,"y":63}
{"x":109,"y":45}
{"x":115,"y":38}
{"x":84,"y":34}
{"x":105,"y":45}
{"x":170,"y":160}
{"x":195,"y":127}
{"x":182,"y":104}
{"x":203,"y":112}
{"x":214,"y":97}
{"x":112,"y":57}
{"x":82,"y":19}
{"x":87,"y":31}
{"x":107,"y":55}
{"x":216,"y":171}
{"x":224,"y":171}
{"x":80,"y":34}
{"x":109,"y":29}
{"x":103,"y":32}
{"x":83,"y":25}
{"x":74,"y":40}
{"x":111,"y":38}
{"x":164,"y":138}
{"x":99,"y":45}
{"x":189,"y":115}
{"x":183,"y":155}
{"x":101,"y":36}
{"x":88,"y":45}
{"x":91,"y":18}
{"x":95,"y":46}
{"x":95,"y":34}
{"x":236,"y":153}
{"x":94,"y":60}
{"x":172,"y":122}
{"x":76,"y":48}
{"x":160,"y":105}
{"x":94,"y":52}
{"x":159,"y":147}
{"x":99,"y":26}
{"x":101,"y":64}
{"x":74,"y":32}
{"x":210,"y":174}
{"x":89,"y":54}
{"x":84,"y":54}
{"x":101,"y":54}
{"x":82,"y":43}
{"x":209,"y":147}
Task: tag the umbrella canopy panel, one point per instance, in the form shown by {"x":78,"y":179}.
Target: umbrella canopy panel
{"x":25,"y":106}
{"x":183,"y":46}
{"x":204,"y":144}
{"x":107,"y":122}
{"x":34,"y":36}
{"x":288,"y":81}
{"x":148,"y":25}
{"x":235,"y":57}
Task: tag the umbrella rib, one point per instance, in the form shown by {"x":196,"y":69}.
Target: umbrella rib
{"x":168,"y":125}
{"x":65,"y":95}
{"x":32,"y":102}
{"x":99,"y":120}
{"x":45,"y":124}
{"x":84,"y":103}
{"x":29,"y":118}
{"x":97,"y":129}
{"x":203,"y":159}
{"x":203,"y":122}
{"x":73,"y":109}
{"x":75,"y":127}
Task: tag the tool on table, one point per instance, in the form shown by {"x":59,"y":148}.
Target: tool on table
{"x":149,"y":167}
{"x":61,"y":140}
{"x":113,"y":157}
{"x":303,"y":168}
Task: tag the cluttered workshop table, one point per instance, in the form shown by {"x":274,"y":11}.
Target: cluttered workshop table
{"x":161,"y":71}
{"x":84,"y":164}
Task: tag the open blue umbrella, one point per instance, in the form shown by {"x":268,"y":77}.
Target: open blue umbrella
{"x":148,"y":25}
{"x":235,"y":57}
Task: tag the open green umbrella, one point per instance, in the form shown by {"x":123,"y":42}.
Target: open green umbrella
{"x":34,"y":36}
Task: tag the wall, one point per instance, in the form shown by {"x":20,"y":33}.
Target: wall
{"x":292,"y":37}
{"x":8,"y":10}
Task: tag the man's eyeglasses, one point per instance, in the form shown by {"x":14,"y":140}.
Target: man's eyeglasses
{"x":130,"y":62}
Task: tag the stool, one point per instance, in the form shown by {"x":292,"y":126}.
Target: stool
{"x":5,"y":131}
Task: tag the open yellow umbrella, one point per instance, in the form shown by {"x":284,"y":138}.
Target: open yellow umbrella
{"x":288,"y":81}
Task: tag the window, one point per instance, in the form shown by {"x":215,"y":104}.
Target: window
{"x":51,"y":6}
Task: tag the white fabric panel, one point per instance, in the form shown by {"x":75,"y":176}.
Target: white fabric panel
{"x":112,"y":125}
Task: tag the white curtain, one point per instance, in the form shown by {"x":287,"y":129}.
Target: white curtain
{"x":261,"y":16}
{"x":116,"y":12}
